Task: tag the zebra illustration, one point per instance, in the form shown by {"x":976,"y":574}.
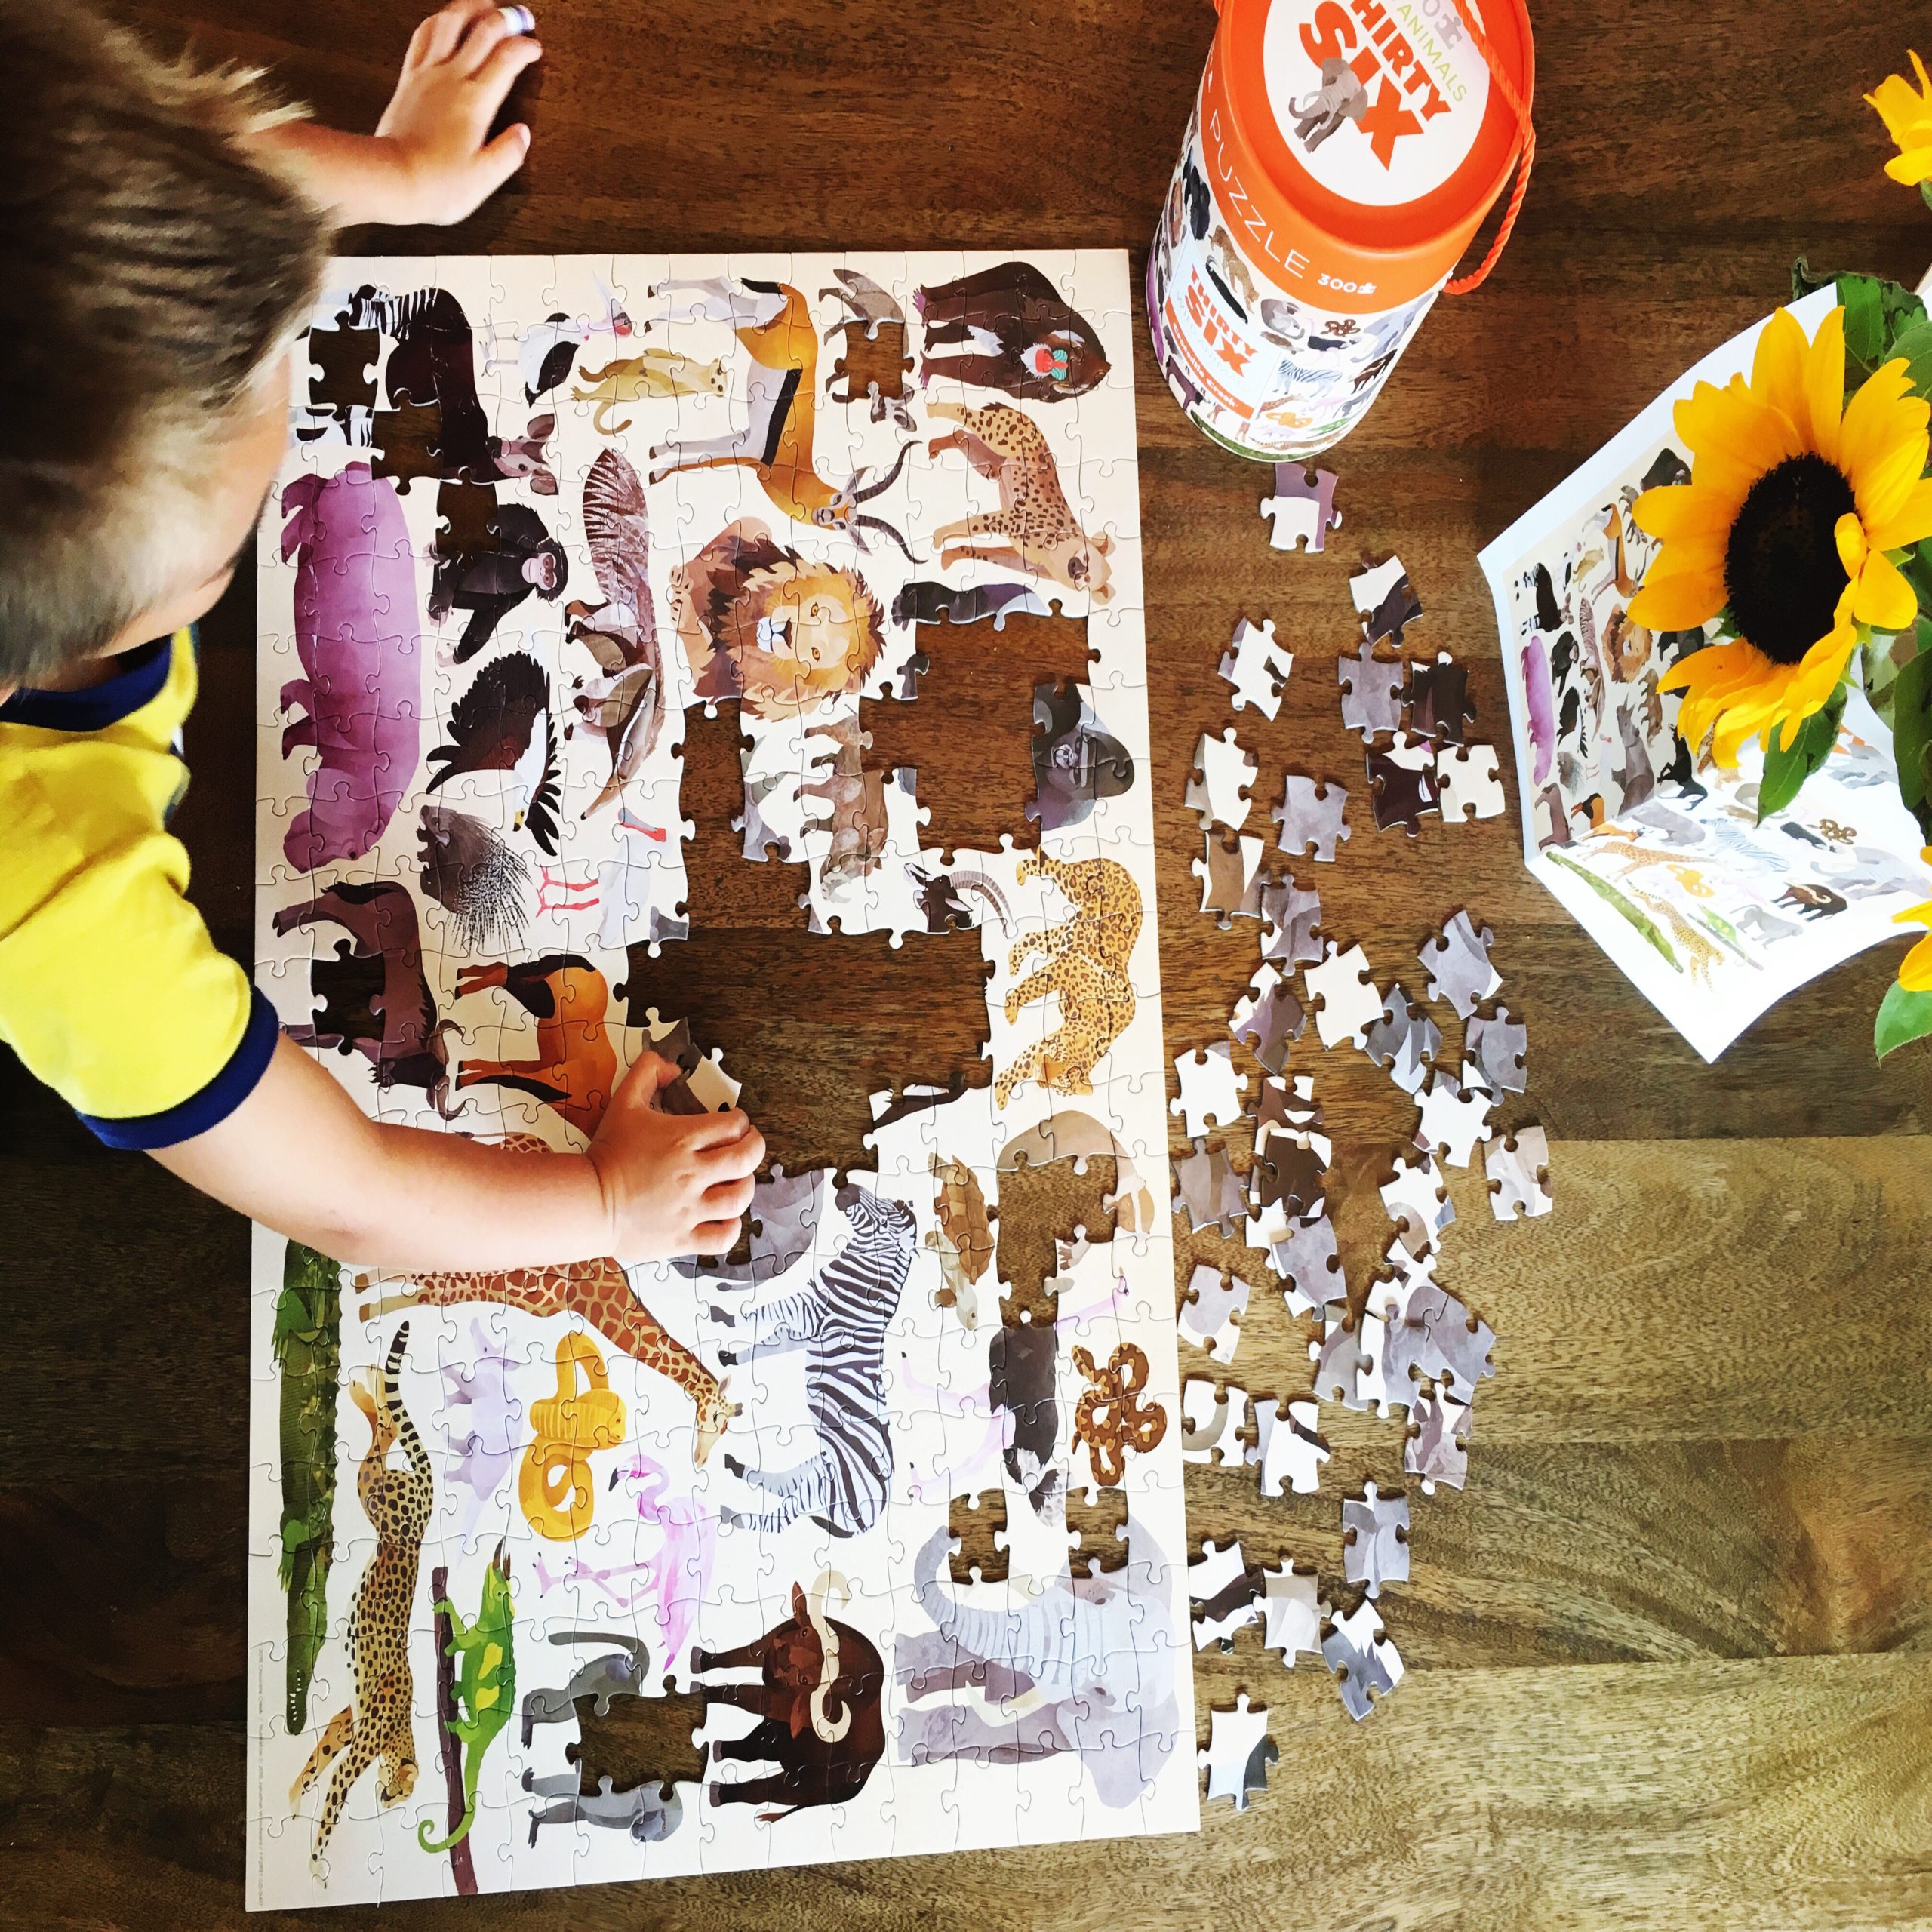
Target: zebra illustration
{"x":841,"y":1316}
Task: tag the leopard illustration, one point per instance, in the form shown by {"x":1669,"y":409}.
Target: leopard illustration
{"x":1042,"y":535}
{"x":380,"y":1723}
{"x":1086,"y":965}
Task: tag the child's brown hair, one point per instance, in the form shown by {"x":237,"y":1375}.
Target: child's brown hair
{"x":151,"y":267}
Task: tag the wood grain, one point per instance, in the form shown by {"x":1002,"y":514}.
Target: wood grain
{"x":1671,"y":1651}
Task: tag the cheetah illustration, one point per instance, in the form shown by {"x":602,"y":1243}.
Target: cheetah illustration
{"x":379,"y":1723}
{"x":1042,"y":534}
{"x":1086,"y":965}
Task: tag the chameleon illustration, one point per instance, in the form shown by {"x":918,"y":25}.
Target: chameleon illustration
{"x":485,"y":1655}
{"x":308,"y":1351}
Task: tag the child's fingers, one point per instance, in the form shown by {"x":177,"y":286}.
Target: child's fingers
{"x":726,"y":1197}
{"x":443,"y":31}
{"x":722,"y":1130}
{"x":509,"y":56}
{"x":733,"y":1160}
{"x":715,"y":1237}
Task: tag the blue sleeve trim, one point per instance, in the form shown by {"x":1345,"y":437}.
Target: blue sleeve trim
{"x":141,"y":680}
{"x":214,"y":1103}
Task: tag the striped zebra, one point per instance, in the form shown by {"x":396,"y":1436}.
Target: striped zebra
{"x":840,"y":1316}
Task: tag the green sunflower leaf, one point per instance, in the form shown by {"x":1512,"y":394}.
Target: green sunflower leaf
{"x":1786,"y":771}
{"x":1914,"y":342}
{"x":1912,"y":730}
{"x":1902,"y":1017}
{"x":1877,"y":313}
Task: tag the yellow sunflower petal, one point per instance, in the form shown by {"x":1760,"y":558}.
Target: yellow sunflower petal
{"x":1913,"y":166}
{"x":1915,"y":969}
{"x":1879,"y":489}
{"x":1883,"y":422}
{"x":1777,"y":369}
{"x":1714,"y":663}
{"x":1677,"y":603}
{"x":1824,"y":384}
{"x":1898,"y":103}
{"x":1913,"y":524}
{"x":1883,"y":599}
{"x":1849,"y":535}
{"x":1672,"y":511}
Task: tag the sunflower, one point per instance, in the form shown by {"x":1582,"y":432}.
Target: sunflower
{"x":1915,"y":970}
{"x":1907,"y":113}
{"x":1794,"y":501}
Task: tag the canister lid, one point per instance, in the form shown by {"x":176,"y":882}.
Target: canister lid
{"x":1375,"y":124}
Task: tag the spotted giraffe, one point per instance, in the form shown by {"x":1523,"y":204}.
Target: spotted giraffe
{"x":1086,"y":965}
{"x":379,"y":1724}
{"x":596,"y":1291}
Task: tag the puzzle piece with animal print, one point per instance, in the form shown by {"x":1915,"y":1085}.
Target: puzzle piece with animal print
{"x":1310,"y":820}
{"x":1518,"y":1171}
{"x":1459,"y":965}
{"x":1210,"y":1089}
{"x":1371,"y":692}
{"x":1346,"y":1002}
{"x":1439,"y":707}
{"x":1384,"y":601}
{"x":1292,"y":1611}
{"x":1287,"y":1450}
{"x":1257,"y":667}
{"x":1212,"y":1422}
{"x":1468,"y":784}
{"x":1401,"y":783}
{"x":1436,"y":1447}
{"x":1207,"y":1189}
{"x":1499,"y":1047}
{"x":1455,"y":1115}
{"x":1366,"y":1663}
{"x":1222,"y":771}
{"x":1375,"y":1539}
{"x":1238,"y":1753}
{"x":1291,"y":919}
{"x":1301,"y":513}
{"x":1405,"y":1040}
{"x":1228,"y":1593}
{"x":1211,"y":1315}
{"x":1268,"y":1018}
{"x":1231,"y":878}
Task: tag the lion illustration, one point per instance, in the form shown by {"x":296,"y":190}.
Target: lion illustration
{"x":762,"y":623}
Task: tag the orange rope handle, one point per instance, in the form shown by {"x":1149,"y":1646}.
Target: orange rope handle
{"x":1463,"y":285}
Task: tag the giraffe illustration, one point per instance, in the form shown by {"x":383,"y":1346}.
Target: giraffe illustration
{"x":597,"y":1293}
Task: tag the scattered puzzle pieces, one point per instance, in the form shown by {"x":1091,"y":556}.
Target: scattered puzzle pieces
{"x":1366,"y":1664}
{"x":1306,"y":1260}
{"x":1228,"y":1592}
{"x":1210,"y":1089}
{"x":1211,"y":1316}
{"x":1439,"y":705}
{"x":1371,"y":692}
{"x":1437,"y":1449}
{"x":1418,"y":1203}
{"x":1387,"y":604}
{"x":1257,"y":667}
{"x":1268,"y":1017}
{"x":1301,"y":513}
{"x":1212,"y":1422}
{"x":1375,"y":1539}
{"x":1208,"y":1191}
{"x":1291,"y":917}
{"x":1455,"y":1115}
{"x":1291,"y":1612}
{"x":1346,"y":1002}
{"x":1286,"y":1448}
{"x":1401,"y":783}
{"x":1405,"y":1040}
{"x":1459,"y":968}
{"x":1500,"y":1047}
{"x":1230,"y":876}
{"x":1468,"y":784}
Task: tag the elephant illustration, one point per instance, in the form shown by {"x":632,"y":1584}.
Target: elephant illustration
{"x":1091,"y":1660}
{"x":1340,"y":97}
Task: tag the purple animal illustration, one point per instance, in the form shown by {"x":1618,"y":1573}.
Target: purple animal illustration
{"x":680,"y":1572}
{"x":1539,"y":700}
{"x":483,"y":1413}
{"x":375,"y":998}
{"x":360,"y":641}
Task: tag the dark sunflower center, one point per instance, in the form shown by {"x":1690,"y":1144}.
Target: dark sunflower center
{"x":1781,"y":568}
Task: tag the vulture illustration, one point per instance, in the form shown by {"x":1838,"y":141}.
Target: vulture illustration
{"x":503,"y":723}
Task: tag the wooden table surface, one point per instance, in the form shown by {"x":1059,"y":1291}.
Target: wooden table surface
{"x":1670,"y":1653}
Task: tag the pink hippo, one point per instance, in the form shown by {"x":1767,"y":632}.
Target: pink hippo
{"x":360,"y":638}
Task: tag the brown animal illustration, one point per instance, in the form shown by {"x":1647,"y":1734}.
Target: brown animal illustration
{"x":597,"y":1293}
{"x":1110,"y":1417}
{"x":1034,"y":530}
{"x":855,"y":797}
{"x":654,"y":375}
{"x":818,"y":1704}
{"x":1087,"y":966}
{"x":375,"y":997}
{"x":874,"y":362}
{"x":380,"y":1724}
{"x":576,"y":1067}
{"x":1018,"y":334}
{"x":963,"y":1237}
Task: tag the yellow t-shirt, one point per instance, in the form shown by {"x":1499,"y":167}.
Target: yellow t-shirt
{"x":111,"y":990}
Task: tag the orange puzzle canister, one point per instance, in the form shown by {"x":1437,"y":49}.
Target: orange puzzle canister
{"x":1341,"y":156}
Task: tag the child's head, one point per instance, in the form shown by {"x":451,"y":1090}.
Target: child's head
{"x":155,"y":272}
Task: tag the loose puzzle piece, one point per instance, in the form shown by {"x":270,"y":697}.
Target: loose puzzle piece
{"x":1371,"y":692}
{"x":1383,"y":596}
{"x":1210,"y":1089}
{"x":1211,"y":1316}
{"x":1346,"y":1002}
{"x":1418,"y":1203}
{"x":1405,"y":1040}
{"x":1437,"y":1449}
{"x":1222,"y":771}
{"x":1239,"y":1751}
{"x":1228,"y":1592}
{"x":1499,"y":1047}
{"x":1518,"y":1170}
{"x":1305,"y":1259}
{"x":1230,"y":876}
{"x":1310,"y":820}
{"x":1459,"y":968}
{"x":1455,"y":1115}
{"x":1268,"y":1017}
{"x":1402,"y":783}
{"x":1375,"y":1539}
{"x":1208,"y":1190}
{"x":1291,"y":1178}
{"x":1212,"y":1422}
{"x":1301,"y":513}
{"x":1439,"y":705}
{"x":1291,"y":1612}
{"x":1291,"y":917}
{"x":1366,"y":1664}
{"x":1344,"y":1359}
{"x":1468,"y":784}
{"x":1287,"y":1447}
{"x":1257,"y":667}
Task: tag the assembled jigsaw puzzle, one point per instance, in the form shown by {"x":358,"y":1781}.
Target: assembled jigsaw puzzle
{"x":1659,"y":853}
{"x":536,"y":513}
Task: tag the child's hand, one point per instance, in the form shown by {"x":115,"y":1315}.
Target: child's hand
{"x":459,"y":66}
{"x":673,"y":1184}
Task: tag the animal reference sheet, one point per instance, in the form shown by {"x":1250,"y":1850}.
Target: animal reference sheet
{"x":537,"y":514}
{"x":1658,"y":853}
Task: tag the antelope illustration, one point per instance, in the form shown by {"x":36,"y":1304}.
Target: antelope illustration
{"x":772,"y":322}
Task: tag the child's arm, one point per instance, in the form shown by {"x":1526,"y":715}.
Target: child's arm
{"x":299,"y":1156}
{"x":429,"y":160}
